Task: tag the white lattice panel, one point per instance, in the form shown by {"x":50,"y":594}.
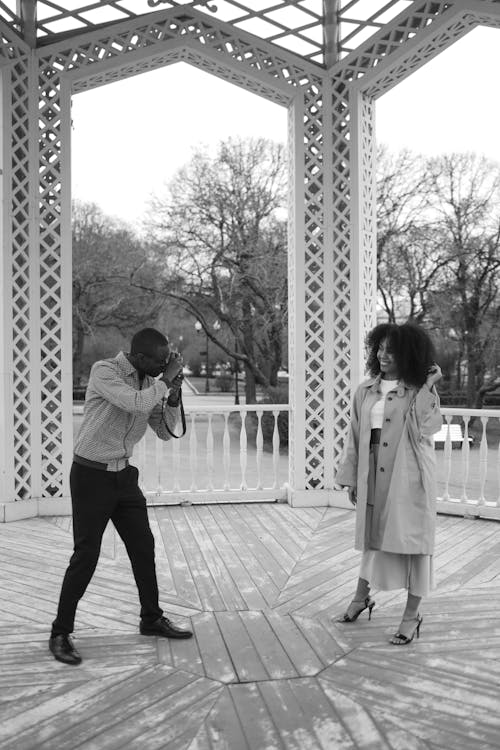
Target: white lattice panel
{"x":314,"y":285}
{"x":238,"y":59}
{"x":16,"y":254}
{"x":21,"y":278}
{"x":296,"y":25}
{"x":322,"y":135}
{"x":387,"y":58}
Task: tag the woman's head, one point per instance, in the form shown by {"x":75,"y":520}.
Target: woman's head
{"x":401,"y":351}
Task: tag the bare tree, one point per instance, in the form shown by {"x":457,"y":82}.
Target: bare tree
{"x":439,"y":254}
{"x":466,"y":206}
{"x":218,"y":241}
{"x":408,"y":260}
{"x":105,"y":254}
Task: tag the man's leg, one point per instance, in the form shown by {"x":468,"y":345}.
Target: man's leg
{"x":131,"y":521}
{"x":92,"y":501}
{"x":130,"y":518}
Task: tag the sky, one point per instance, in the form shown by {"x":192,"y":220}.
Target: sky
{"x":130,"y":137}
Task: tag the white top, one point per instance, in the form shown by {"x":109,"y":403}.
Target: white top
{"x":377,"y":412}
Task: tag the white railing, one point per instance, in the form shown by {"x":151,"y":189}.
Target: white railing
{"x":469,"y":475}
{"x":221,"y":458}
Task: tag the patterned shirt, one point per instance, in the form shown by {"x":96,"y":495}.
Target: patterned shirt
{"x":118,"y":409}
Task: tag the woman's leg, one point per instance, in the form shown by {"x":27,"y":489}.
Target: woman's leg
{"x":411,"y":620}
{"x":360,"y":602}
{"x":362,"y":590}
{"x":412,"y":607}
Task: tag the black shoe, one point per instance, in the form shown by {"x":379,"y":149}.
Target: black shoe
{"x":367,"y":603}
{"x":63,"y":649}
{"x":164,"y":628}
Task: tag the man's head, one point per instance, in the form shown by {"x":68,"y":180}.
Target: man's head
{"x":149,"y":351}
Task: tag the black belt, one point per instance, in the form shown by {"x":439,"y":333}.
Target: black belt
{"x":375,"y":436}
{"x":97,"y":464}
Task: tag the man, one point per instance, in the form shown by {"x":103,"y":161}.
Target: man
{"x":122,"y":398}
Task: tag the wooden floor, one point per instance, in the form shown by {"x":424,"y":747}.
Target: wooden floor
{"x":268,"y":667}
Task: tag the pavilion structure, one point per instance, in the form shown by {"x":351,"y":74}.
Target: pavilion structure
{"x":327,"y":63}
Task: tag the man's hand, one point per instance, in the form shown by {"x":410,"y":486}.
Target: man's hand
{"x":353,"y":497}
{"x":173,"y":370}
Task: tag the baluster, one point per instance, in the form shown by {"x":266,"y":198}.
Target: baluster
{"x":226,"y":451}
{"x":158,"y":465}
{"x":210,"y":454}
{"x":483,"y":462}
{"x":176,"y":464}
{"x":193,"y":451}
{"x":276,"y":449}
{"x":243,"y":450}
{"x":259,"y":443}
{"x":447,"y":461}
{"x":465,"y":460}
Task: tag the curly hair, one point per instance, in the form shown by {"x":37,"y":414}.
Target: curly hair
{"x":411,"y":347}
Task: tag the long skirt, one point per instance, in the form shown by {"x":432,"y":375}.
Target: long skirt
{"x":389,"y":570}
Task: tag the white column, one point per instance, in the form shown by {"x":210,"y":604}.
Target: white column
{"x":363,"y":230}
{"x":296,"y":312}
{"x":6,"y":407}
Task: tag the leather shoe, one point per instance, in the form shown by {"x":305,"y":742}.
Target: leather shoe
{"x":164,"y":628}
{"x":62,"y":647}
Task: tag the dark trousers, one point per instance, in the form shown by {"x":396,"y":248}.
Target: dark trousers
{"x":99,"y":496}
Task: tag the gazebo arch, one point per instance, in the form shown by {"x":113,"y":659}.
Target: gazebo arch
{"x":332,"y":212}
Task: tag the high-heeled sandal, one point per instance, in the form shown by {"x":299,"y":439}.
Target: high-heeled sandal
{"x":404,"y":640}
{"x":367,"y":603}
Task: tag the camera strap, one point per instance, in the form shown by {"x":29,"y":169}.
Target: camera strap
{"x":183,"y":418}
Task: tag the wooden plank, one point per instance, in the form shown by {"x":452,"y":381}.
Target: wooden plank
{"x":229,"y":552}
{"x":282,"y":550}
{"x":133,"y":714}
{"x":253,"y":715}
{"x":214,"y":651}
{"x":249,"y":555}
{"x":261,"y":543}
{"x":179,"y":565}
{"x":278,"y":574}
{"x":299,"y":651}
{"x":244,"y":656}
{"x":419,"y":698}
{"x":198,"y":571}
{"x":293,"y":725}
{"x":181,"y":654}
{"x":271,"y":652}
{"x":172,"y":723}
{"x":326,"y":723}
{"x":215,"y":564}
{"x":37,"y":725}
{"x":324,"y":640}
{"x":222,"y":729}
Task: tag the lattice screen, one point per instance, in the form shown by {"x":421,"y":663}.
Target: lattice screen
{"x":13,"y":55}
{"x":142,"y":44}
{"x":260,"y":69}
{"x":296,"y":25}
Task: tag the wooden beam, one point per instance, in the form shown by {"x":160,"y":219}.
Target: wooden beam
{"x":26,"y":10}
{"x":331,"y":29}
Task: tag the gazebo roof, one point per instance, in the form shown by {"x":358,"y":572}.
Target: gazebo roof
{"x":322,"y":31}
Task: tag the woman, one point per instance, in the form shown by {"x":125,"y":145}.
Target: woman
{"x":388,"y":468}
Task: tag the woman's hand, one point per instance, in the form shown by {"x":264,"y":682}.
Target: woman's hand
{"x":352,"y":495}
{"x":433,"y":375}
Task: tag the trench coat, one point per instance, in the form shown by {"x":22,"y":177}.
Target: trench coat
{"x":404,"y":500}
